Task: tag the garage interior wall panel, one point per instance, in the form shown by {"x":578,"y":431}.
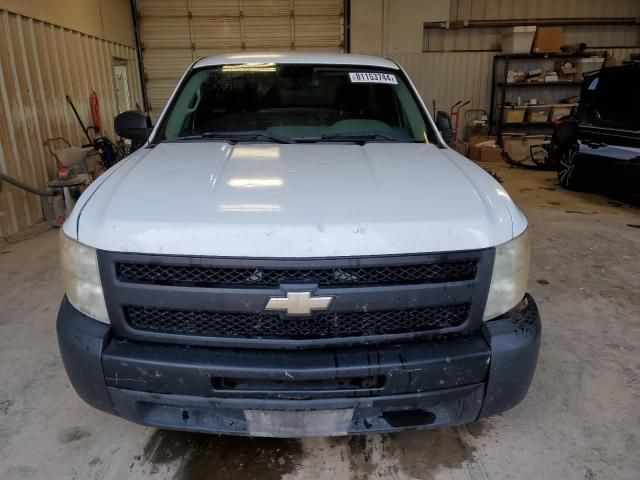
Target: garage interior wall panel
{"x":536,"y":9}
{"x":40,"y":64}
{"x":174,"y":33}
{"x":447,"y":77}
{"x":482,"y":39}
{"x":456,"y":64}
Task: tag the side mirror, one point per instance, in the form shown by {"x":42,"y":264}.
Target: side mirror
{"x":133,"y":125}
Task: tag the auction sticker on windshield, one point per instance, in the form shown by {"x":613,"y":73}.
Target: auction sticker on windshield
{"x":369,"y":77}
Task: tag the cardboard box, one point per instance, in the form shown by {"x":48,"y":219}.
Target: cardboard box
{"x":538,"y":114}
{"x":462,"y":147}
{"x":513,"y":115}
{"x":548,"y":40}
{"x":515,"y":77}
{"x":490,"y":154}
{"x":566,"y":70}
{"x":474,"y":152}
{"x":474,"y":141}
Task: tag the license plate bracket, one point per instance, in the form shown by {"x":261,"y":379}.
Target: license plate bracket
{"x":298,"y":423}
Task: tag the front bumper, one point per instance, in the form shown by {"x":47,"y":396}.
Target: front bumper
{"x":336,"y":391}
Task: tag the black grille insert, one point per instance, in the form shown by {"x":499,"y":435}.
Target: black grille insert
{"x":328,"y":325}
{"x":197,"y":275}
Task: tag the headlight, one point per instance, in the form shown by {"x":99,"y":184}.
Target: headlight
{"x":81,"y":278}
{"x":509,"y":278}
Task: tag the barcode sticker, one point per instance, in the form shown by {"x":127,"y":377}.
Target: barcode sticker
{"x":368,"y":77}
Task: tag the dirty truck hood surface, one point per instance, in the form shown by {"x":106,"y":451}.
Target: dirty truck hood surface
{"x":300,"y":200}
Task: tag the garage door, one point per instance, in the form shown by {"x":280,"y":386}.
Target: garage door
{"x":176,"y":32}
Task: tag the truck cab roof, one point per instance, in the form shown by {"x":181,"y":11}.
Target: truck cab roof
{"x":295,"y":57}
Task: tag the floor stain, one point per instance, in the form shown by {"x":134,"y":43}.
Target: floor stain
{"x":423,"y":453}
{"x":208,"y":457}
{"x":581,"y":212}
{"x":478,"y":428}
{"x":553,"y":203}
{"x":5,"y":405}
{"x":73,"y":434}
{"x":542,"y":281}
{"x":633,"y":225}
{"x":360,"y":457}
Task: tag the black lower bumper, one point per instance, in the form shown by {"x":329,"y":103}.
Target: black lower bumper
{"x":297,"y":393}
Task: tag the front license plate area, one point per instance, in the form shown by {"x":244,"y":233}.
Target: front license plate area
{"x":298,"y":423}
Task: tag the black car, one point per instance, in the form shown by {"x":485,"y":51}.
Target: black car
{"x":598,"y":147}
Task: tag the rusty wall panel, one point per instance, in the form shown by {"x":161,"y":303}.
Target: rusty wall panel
{"x":40,"y":64}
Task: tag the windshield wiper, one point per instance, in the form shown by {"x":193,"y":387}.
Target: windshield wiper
{"x":235,"y":137}
{"x":362,"y":138}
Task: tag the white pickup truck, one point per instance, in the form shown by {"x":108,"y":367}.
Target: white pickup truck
{"x":294,"y":251}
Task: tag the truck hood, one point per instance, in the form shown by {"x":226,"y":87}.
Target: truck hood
{"x":299,"y":200}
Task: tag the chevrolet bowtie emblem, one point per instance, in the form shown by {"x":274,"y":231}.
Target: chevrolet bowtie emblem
{"x":298,"y":303}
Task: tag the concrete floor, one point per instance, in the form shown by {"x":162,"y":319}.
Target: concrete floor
{"x":579,"y":421}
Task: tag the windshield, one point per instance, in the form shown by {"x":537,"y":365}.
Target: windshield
{"x":289,"y":103}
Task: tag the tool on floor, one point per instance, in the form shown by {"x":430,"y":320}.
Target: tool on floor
{"x":94,"y":105}
{"x":530,"y":156}
{"x":108,"y":153}
{"x":84,"y":129}
{"x":454,"y":121}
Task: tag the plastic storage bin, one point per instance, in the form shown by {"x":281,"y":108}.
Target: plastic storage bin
{"x":517,"y":39}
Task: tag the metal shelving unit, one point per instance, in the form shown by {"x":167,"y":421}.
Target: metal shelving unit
{"x":559,"y":83}
{"x":500,"y":86}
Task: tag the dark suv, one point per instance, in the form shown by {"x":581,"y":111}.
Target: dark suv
{"x":599,"y":146}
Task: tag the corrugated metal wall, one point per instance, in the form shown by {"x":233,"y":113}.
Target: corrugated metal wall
{"x":447,"y":77}
{"x":40,"y":64}
{"x":457,"y":64}
{"x":536,"y":9}
{"x":176,"y":32}
{"x":484,"y":38}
